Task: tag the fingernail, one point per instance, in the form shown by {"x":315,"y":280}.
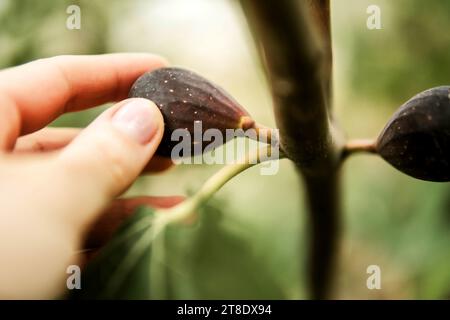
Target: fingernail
{"x":137,"y":119}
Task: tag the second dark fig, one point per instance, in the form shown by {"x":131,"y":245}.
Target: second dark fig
{"x":185,"y":98}
{"x":416,"y":140}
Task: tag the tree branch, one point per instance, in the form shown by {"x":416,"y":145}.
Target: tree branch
{"x":295,"y":42}
{"x":321,"y":14}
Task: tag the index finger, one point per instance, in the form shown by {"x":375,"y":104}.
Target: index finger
{"x":39,"y":91}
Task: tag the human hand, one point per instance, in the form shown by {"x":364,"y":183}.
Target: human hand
{"x":56,"y":183}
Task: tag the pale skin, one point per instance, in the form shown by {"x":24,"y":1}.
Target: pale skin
{"x":59,"y":186}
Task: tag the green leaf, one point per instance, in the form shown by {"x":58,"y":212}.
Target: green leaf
{"x":121,"y":270}
{"x":208,"y":260}
{"x":212,"y":260}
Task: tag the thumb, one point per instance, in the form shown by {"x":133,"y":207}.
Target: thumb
{"x":106,"y":157}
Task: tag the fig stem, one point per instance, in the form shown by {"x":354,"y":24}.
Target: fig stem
{"x":267,"y":134}
{"x":359,"y":145}
{"x":184,"y":210}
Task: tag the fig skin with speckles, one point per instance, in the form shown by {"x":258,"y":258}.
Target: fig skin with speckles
{"x":185,"y":97}
{"x":416,"y":140}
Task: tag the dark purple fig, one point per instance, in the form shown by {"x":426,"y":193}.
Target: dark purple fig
{"x":416,"y":140}
{"x":185,"y":98}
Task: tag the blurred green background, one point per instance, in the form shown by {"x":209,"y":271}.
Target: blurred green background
{"x":254,"y":246}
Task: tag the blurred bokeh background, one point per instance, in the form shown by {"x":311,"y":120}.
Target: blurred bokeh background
{"x":255,"y":245}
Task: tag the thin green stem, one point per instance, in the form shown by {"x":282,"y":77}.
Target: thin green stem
{"x":183,"y":211}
